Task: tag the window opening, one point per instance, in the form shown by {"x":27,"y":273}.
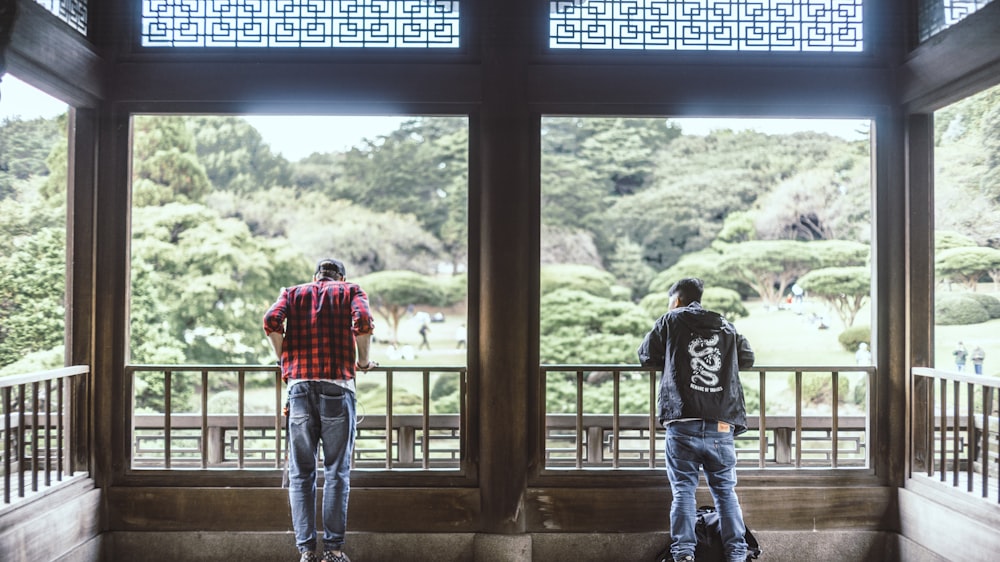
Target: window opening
{"x":966,"y":239}
{"x":713,"y":25}
{"x":34,"y":142}
{"x":780,"y":232}
{"x":301,"y":23}
{"x":227,"y":210}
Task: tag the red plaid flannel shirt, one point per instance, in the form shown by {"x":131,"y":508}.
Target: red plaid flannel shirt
{"x":320,"y":321}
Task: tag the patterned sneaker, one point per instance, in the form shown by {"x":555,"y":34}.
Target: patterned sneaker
{"x":329,"y":556}
{"x":308,"y":557}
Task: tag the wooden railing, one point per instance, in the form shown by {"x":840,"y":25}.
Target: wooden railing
{"x":38,"y":410}
{"x":431,"y":441}
{"x":956,"y":429}
{"x":176,"y":437}
{"x":792,"y":438}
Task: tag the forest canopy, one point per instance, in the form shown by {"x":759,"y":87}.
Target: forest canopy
{"x":220,"y":222}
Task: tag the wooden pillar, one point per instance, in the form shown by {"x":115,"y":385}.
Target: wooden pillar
{"x":509,"y":257}
{"x":112,"y":396}
{"x":80,"y":251}
{"x":889,"y":262}
{"x":920,"y":273}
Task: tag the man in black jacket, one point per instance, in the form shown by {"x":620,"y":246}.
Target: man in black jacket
{"x":701,"y":406}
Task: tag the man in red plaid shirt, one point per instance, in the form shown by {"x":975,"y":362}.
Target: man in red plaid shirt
{"x":321,"y":333}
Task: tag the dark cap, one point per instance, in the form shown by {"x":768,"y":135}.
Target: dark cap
{"x":329,"y":267}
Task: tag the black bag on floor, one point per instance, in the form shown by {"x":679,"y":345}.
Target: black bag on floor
{"x":708,"y":529}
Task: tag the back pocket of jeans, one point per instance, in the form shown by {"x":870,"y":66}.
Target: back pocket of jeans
{"x":331,"y":406}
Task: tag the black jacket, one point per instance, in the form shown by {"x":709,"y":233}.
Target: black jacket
{"x":701,"y":354}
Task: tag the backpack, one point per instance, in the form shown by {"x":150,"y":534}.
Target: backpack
{"x":708,"y":529}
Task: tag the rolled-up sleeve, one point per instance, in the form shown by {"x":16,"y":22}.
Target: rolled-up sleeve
{"x":364,"y":323}
{"x":274,"y":318}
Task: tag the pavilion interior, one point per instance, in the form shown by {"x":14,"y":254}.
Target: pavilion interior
{"x":505,"y":79}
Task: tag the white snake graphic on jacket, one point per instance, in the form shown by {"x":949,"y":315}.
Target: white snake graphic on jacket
{"x":706,"y":360}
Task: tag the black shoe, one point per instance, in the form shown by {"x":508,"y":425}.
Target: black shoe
{"x":329,"y":556}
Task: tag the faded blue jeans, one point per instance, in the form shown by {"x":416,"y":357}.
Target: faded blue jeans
{"x":691,"y":445}
{"x":320,"y":412}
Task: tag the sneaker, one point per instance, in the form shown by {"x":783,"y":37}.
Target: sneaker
{"x":685,"y":558}
{"x":329,"y":556}
{"x":308,"y":557}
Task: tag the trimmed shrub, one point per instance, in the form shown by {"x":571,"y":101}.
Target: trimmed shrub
{"x":989,"y":302}
{"x":853,"y":336}
{"x":726,"y":302}
{"x":952,"y":309}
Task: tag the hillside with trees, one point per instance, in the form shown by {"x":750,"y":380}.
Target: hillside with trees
{"x":220,"y":222}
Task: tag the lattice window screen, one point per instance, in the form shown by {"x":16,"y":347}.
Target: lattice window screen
{"x":937,"y":15}
{"x":301,"y":23}
{"x":73,"y":12}
{"x":734,"y":25}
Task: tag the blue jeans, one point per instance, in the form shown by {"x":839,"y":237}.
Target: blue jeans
{"x":319,"y":412}
{"x":691,"y":445}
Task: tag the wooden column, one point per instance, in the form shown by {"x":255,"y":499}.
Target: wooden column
{"x":920,"y":274}
{"x":112,"y":396}
{"x":80,"y":251}
{"x":509,"y":257}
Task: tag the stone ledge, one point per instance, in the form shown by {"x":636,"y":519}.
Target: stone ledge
{"x":778,"y":546}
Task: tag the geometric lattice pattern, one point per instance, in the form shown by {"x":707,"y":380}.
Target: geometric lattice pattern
{"x":73,"y":12}
{"x":300,"y":23}
{"x":734,"y":25}
{"x":937,"y":15}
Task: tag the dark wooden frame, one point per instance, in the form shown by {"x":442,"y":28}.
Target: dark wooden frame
{"x":505,"y":80}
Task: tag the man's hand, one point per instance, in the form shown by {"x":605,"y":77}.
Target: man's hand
{"x":371,"y":365}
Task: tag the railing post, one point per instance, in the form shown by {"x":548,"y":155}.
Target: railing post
{"x":216,"y":445}
{"x":783,"y":445}
{"x":595,"y":445}
{"x":407,"y":444}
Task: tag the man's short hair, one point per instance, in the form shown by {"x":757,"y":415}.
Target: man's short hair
{"x":330,"y":268}
{"x":688,"y":289}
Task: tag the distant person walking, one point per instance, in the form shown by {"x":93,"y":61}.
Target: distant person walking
{"x":424,"y":344}
{"x":960,"y":354}
{"x":321,"y":333}
{"x":978,"y":356}
{"x":863,"y":356}
{"x":701,"y":406}
{"x":460,"y":337}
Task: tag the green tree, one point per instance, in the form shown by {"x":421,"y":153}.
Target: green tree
{"x":948,"y":239}
{"x":235,"y":156}
{"x":769,"y":266}
{"x":726,"y":302}
{"x":391,"y":293}
{"x":165,"y":165}
{"x":845,"y":289}
{"x":705,"y":265}
{"x":316,"y":227}
{"x":584,"y":278}
{"x":967,"y":265}
{"x":200,"y":284}
{"x":840,"y":253}
{"x":413,"y":168}
{"x":578,"y":327}
{"x":32,"y":293}
{"x":629,"y":267}
{"x":24,"y":147}
{"x":669,"y":222}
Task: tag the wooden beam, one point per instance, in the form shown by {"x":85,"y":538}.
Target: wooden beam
{"x":955,"y":63}
{"x":49,"y":55}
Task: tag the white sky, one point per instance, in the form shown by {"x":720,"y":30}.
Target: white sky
{"x":296,"y":137}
